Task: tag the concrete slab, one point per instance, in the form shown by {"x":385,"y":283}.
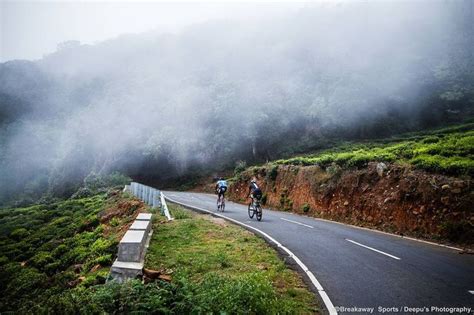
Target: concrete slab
{"x":133,"y":237}
{"x":128,"y":265}
{"x":122,"y":271}
{"x":131,"y":247}
{"x":143,"y":225}
{"x":144,"y":216}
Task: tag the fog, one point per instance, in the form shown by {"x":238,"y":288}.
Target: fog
{"x":159,"y":106}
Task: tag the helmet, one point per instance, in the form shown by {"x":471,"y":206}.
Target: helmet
{"x":221,"y":178}
{"x":253,"y":181}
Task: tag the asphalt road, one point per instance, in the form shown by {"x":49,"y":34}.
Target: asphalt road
{"x":360,"y":267}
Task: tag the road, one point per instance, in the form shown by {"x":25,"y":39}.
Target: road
{"x":360,"y":267}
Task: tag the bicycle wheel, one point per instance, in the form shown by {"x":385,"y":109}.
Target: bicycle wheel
{"x":251,"y":211}
{"x":222,"y":205}
{"x":258,"y":209}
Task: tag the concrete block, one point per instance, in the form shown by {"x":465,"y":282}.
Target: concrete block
{"x":144,"y":216}
{"x":141,"y":225}
{"x":132,"y":245}
{"x":122,"y":271}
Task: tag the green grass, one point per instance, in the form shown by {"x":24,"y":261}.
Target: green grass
{"x":228,"y":269}
{"x":448,"y":150}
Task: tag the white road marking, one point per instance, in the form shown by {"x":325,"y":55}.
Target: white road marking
{"x":375,"y":250}
{"x":471,"y":291}
{"x":311,"y":227}
{"x":327,"y":302}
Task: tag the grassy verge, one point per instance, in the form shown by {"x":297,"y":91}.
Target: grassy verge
{"x":448,"y":150}
{"x":225,"y":268}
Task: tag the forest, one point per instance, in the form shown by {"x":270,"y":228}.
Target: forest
{"x":160,"y":108}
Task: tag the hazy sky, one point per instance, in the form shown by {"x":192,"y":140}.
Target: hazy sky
{"x":30,"y":29}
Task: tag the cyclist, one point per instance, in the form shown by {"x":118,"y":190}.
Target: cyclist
{"x":221,"y":188}
{"x":254,"y":191}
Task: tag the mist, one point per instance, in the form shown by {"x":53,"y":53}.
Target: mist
{"x":161,"y":106}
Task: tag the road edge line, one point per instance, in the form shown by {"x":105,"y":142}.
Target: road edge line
{"x":366,"y":228}
{"x":322,"y":294}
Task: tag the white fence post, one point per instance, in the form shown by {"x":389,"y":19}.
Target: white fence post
{"x":164,"y":207}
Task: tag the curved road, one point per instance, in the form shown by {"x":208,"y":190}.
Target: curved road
{"x":360,"y":268}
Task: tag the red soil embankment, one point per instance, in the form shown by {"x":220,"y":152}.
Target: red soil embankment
{"x":392,"y":197}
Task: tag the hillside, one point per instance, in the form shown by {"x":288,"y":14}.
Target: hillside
{"x":158,"y":107}
{"x":415,"y":184}
{"x":50,"y":252}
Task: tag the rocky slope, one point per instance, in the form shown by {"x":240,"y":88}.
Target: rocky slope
{"x":390,"y":197}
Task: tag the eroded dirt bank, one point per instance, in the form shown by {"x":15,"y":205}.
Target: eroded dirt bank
{"x":390,"y":197}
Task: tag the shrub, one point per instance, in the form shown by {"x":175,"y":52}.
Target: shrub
{"x":60,"y":250}
{"x":273,"y":173}
{"x":19,"y":234}
{"x":83,"y":192}
{"x":104,"y":260}
{"x":306,"y":208}
{"x":41,"y":259}
{"x":102,"y":245}
{"x":114,"y":222}
{"x":97,"y":182}
{"x":240,"y":166}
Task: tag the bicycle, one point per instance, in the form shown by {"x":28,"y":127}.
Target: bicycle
{"x":255,"y":209}
{"x":220,"y":203}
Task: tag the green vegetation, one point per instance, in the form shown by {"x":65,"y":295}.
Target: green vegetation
{"x":224,"y":269}
{"x":240,"y":166}
{"x":48,"y":249}
{"x":55,"y":259}
{"x":306,"y":207}
{"x":448,"y":150}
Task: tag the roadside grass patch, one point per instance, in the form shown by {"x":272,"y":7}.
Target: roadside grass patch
{"x":228,"y":269}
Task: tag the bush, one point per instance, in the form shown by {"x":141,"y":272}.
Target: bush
{"x":83,"y":192}
{"x":101,"y":246}
{"x":306,"y":208}
{"x":240,"y":166}
{"x":273,"y":173}
{"x":105,"y":260}
{"x":19,"y":234}
{"x":41,"y":259}
{"x":96,"y":182}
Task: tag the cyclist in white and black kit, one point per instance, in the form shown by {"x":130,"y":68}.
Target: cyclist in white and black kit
{"x":221,"y":188}
{"x":254,"y":191}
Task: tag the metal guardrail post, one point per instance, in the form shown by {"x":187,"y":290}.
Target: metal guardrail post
{"x":151,"y":196}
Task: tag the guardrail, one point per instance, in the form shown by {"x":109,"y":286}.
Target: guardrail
{"x":151,"y":196}
{"x":133,"y":245}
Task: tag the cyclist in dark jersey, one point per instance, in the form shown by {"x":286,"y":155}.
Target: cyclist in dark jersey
{"x":254,"y":191}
